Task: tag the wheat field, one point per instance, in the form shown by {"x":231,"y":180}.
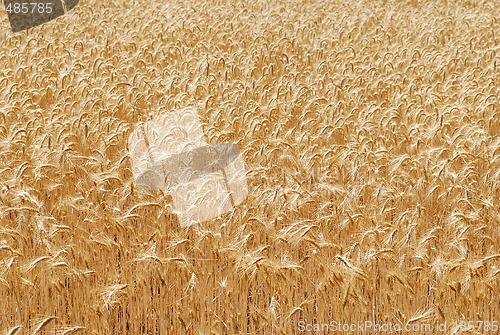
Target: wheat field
{"x":370,"y":131}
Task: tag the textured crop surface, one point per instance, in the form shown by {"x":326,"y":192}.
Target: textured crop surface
{"x":370,"y":131}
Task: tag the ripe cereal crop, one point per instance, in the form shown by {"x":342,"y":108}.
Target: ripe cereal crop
{"x":370,"y":131}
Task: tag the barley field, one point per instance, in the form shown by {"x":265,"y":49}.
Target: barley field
{"x":371,"y":135}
